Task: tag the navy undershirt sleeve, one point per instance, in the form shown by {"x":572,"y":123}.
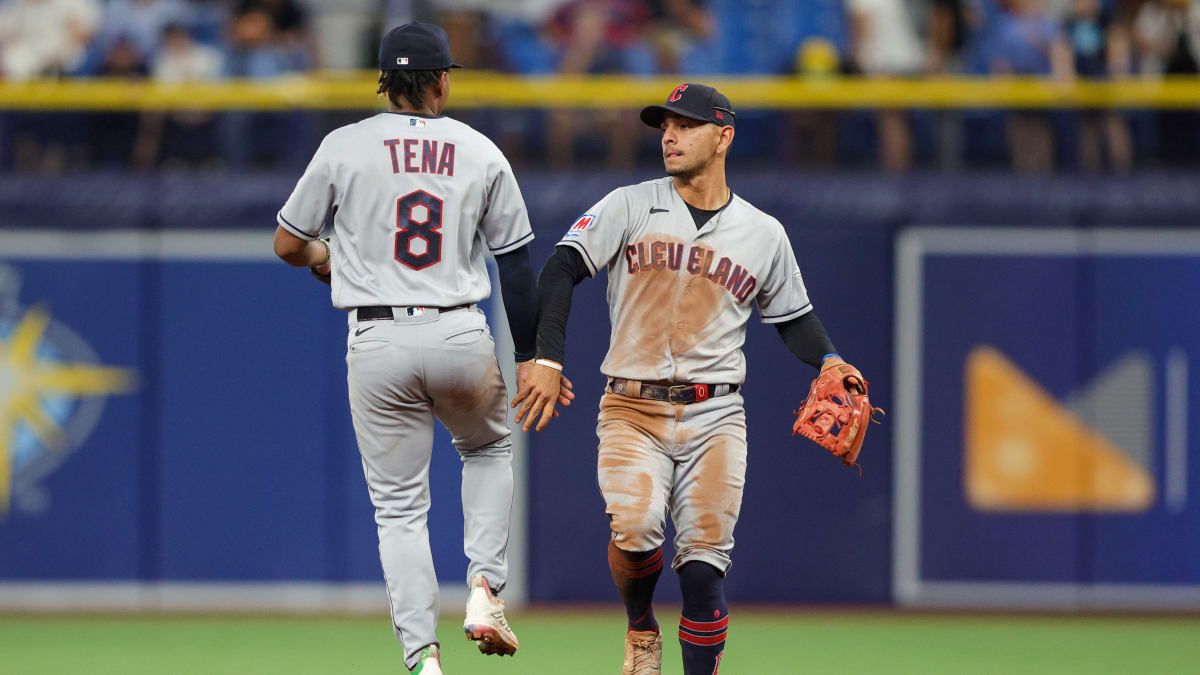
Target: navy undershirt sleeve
{"x":520,"y":300}
{"x":556,"y":286}
{"x":805,"y":337}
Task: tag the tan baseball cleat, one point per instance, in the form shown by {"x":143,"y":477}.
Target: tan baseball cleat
{"x":643,"y":652}
{"x":485,"y":622}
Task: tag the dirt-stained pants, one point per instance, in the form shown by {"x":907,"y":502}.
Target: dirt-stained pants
{"x":688,"y":458}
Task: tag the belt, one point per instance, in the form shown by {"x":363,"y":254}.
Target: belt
{"x":377,"y":312}
{"x":671,"y":393}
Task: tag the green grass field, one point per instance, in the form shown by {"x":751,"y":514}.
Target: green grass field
{"x":586,"y":643}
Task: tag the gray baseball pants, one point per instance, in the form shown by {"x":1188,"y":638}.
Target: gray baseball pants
{"x":403,"y":373}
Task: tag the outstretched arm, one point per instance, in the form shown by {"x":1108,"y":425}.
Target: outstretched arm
{"x":541,"y":388}
{"x":519,"y":290}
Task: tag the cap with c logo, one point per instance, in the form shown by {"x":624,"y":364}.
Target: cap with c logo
{"x":416,"y":46}
{"x":695,"y":101}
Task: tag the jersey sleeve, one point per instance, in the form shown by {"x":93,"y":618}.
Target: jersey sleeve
{"x":782,"y":295}
{"x":599,"y":233}
{"x":305,"y":212}
{"x":505,"y":223}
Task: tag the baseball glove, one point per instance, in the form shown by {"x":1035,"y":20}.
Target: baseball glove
{"x":836,"y":413}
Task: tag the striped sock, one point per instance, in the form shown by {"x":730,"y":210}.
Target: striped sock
{"x":705,"y":618}
{"x":636,"y":574}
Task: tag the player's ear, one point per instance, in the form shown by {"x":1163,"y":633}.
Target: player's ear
{"x":726,"y":139}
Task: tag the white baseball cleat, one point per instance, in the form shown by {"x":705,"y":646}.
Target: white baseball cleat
{"x":485,"y":622}
{"x":430,"y":663}
{"x":643,"y":652}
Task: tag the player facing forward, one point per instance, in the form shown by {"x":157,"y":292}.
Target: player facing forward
{"x":686,"y":260}
{"x":415,"y":198}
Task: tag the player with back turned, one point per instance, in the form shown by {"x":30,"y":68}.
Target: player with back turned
{"x":686,"y":259}
{"x":415,"y":198}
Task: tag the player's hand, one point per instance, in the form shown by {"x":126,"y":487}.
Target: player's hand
{"x":851,"y":381}
{"x":565,"y":392}
{"x":538,"y":391}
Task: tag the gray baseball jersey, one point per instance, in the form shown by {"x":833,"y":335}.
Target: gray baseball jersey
{"x":679,"y":298}
{"x":414,"y":200}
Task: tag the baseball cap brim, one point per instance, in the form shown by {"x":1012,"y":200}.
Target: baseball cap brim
{"x":653,"y":115}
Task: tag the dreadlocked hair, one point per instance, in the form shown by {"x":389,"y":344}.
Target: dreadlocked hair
{"x":407,"y":84}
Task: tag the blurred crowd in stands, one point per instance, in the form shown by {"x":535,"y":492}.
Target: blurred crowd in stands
{"x":180,"y":41}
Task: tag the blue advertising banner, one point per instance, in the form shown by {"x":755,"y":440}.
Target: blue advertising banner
{"x":1042,"y":451}
{"x":173,"y":408}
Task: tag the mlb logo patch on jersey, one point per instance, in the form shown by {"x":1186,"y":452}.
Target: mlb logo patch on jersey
{"x":585,"y":221}
{"x":416,"y":122}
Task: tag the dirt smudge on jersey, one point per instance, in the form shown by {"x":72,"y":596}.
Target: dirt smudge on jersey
{"x":646,"y":319}
{"x":701,"y":303}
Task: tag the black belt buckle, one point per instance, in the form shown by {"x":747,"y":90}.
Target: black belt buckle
{"x":687,"y":393}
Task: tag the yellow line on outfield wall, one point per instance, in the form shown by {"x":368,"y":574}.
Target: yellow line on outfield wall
{"x":356,"y":91}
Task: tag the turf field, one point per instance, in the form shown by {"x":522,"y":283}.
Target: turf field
{"x":575,"y":643}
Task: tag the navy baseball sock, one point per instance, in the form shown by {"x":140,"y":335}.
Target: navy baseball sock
{"x":635,"y":575}
{"x":705,"y":618}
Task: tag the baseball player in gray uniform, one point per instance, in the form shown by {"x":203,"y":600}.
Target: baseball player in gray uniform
{"x":687,"y":260}
{"x":415,"y":200}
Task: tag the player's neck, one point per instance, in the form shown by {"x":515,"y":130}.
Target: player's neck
{"x":706,"y":190}
{"x":409,"y":109}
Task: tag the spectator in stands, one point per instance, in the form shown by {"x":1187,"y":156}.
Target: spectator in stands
{"x":268,"y":38}
{"x":182,"y":59}
{"x":186,"y":137}
{"x":675,"y":26}
{"x":119,"y":138}
{"x":139,"y":21}
{"x":953,"y":27}
{"x":946,"y":35}
{"x":45,"y":37}
{"x":1166,"y":34}
{"x":1093,"y":45}
{"x":345,"y":33}
{"x":884,"y":43}
{"x":597,"y":37}
{"x":1025,"y":39}
{"x":464,"y":21}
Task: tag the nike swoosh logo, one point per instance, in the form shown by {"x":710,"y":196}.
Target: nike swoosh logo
{"x":362,"y":330}
{"x":654,"y":210}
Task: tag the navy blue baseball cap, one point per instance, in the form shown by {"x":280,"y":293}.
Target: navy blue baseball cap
{"x":695,"y":101}
{"x":416,"y":46}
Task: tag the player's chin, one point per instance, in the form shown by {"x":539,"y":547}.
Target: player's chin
{"x":676,"y":168}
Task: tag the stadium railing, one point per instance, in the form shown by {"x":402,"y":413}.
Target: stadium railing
{"x":355,"y":91}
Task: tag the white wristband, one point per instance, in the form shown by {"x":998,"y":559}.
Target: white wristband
{"x":549,"y":364}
